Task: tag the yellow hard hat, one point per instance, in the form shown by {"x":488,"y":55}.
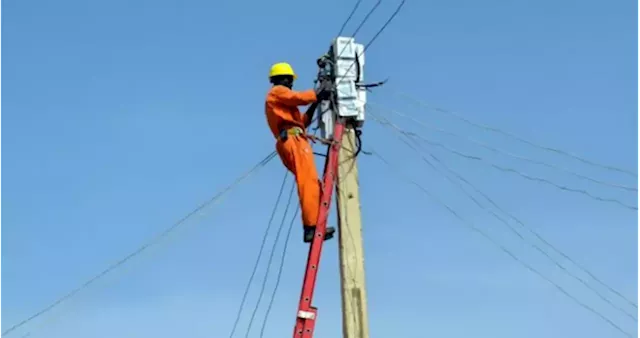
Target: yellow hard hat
{"x":282,"y":68}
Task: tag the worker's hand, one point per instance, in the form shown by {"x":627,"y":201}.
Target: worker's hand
{"x":324,"y":90}
{"x":322,"y":61}
{"x":323,"y":94}
{"x":326,"y":85}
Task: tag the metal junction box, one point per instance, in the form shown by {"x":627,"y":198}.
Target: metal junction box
{"x":348,"y":69}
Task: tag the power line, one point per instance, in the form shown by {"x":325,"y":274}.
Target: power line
{"x":280,"y":269}
{"x":513,"y":136}
{"x":524,"y":175}
{"x":554,"y":248}
{"x":257,"y":263}
{"x":353,"y":11}
{"x":509,"y":226}
{"x":366,"y":17}
{"x":384,"y":26}
{"x":266,"y":273}
{"x":145,"y":246}
{"x":506,"y":153}
{"x":472,"y":227}
{"x":529,"y":177}
{"x":373,"y":39}
{"x":362,"y":22}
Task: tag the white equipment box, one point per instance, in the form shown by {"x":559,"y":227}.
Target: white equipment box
{"x":348,"y":67}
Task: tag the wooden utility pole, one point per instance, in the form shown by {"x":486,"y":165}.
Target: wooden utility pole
{"x":355,"y":322}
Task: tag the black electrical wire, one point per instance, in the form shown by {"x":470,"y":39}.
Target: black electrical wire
{"x":412,"y":136}
{"x":353,"y":11}
{"x":143,"y":247}
{"x":571,"y":172}
{"x":366,"y":18}
{"x":373,"y":39}
{"x":358,"y":142}
{"x":519,"y":138}
{"x":524,"y":175}
{"x":280,"y":269}
{"x":266,"y":274}
{"x":458,"y":184}
{"x":471,"y":226}
{"x":257,"y":263}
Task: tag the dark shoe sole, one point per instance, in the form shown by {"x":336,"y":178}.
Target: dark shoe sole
{"x":308,"y":236}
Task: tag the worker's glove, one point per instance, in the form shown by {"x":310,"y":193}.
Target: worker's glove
{"x":322,"y":61}
{"x":324,"y":90}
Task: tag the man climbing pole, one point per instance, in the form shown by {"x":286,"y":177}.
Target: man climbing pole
{"x":288,"y":126}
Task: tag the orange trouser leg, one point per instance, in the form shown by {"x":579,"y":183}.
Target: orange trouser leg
{"x":297,"y":155}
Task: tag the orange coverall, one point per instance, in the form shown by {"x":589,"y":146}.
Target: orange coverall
{"x":282,"y":113}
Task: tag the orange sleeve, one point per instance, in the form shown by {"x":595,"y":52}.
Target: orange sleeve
{"x":293,"y":98}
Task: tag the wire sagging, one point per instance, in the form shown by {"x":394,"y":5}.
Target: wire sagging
{"x":259,"y":256}
{"x":516,"y":137}
{"x":498,"y":217}
{"x":474,"y":228}
{"x":266,"y":273}
{"x":146,"y":245}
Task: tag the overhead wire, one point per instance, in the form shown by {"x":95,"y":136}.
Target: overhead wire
{"x":362,"y":22}
{"x":534,"y":178}
{"x":278,"y":277}
{"x":461,"y":178}
{"x":266,"y":273}
{"x":551,"y":246}
{"x":474,"y":228}
{"x":373,"y":39}
{"x":353,"y":35}
{"x":506,"y":153}
{"x":366,"y":18}
{"x":516,"y":137}
{"x":353,"y":11}
{"x":144,"y":246}
{"x":527,"y":176}
{"x":384,"y":26}
{"x":259,"y":256}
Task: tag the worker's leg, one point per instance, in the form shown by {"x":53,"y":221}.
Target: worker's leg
{"x":297,"y":155}
{"x":307,"y":180}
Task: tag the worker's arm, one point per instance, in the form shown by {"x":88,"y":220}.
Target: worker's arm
{"x":322,"y":93}
{"x":308,"y":116}
{"x":286,"y":96}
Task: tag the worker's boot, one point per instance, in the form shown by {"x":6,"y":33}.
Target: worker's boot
{"x":310,"y":231}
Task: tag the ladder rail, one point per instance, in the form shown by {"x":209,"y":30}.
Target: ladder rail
{"x":306,"y":315}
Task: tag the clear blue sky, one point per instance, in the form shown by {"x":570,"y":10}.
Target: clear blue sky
{"x":121,"y":116}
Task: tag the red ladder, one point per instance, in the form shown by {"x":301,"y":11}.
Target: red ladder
{"x":306,"y":316}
